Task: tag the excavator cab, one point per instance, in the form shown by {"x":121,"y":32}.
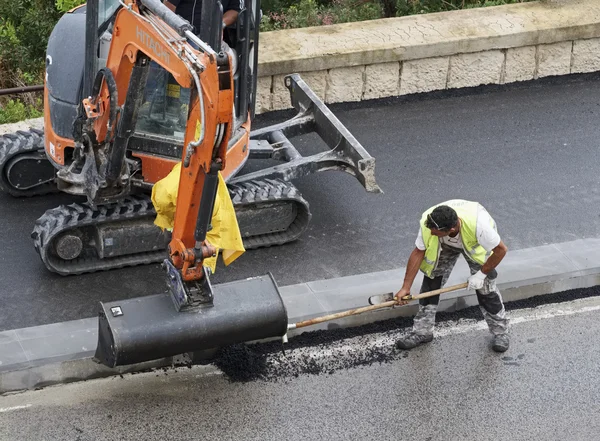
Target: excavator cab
{"x":131,"y":91}
{"x":165,"y":106}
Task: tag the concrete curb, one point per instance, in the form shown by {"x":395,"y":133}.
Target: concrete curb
{"x":36,"y":357}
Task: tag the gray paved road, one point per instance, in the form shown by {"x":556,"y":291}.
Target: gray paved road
{"x":545,"y":387}
{"x":529,"y":153}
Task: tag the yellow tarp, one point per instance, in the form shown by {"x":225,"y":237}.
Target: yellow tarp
{"x":225,"y":234}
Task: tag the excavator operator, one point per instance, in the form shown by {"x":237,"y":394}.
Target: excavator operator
{"x":159,"y":79}
{"x":191,"y":10}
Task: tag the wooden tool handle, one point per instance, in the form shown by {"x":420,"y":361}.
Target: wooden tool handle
{"x":337,"y":315}
{"x":355,"y":311}
{"x":436,"y":292}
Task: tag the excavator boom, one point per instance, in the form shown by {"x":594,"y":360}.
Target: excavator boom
{"x":190,"y":316}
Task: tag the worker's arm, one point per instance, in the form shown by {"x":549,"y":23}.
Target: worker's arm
{"x":230,"y":17}
{"x":494,"y":260}
{"x":477,"y":280}
{"x":412,"y":268}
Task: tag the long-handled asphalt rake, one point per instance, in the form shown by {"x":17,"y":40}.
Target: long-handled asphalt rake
{"x":373,"y":307}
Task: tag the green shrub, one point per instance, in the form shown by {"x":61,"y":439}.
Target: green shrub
{"x":306,"y":13}
{"x":410,"y":7}
{"x":14,"y":111}
{"x":25,"y":26}
{"x":286,"y":14}
{"x":67,"y":5}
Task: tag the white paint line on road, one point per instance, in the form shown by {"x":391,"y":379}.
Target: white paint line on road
{"x":543,"y":313}
{"x":13,"y":408}
{"x":386,"y":341}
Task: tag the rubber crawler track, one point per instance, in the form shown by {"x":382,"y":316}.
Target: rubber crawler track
{"x":135,"y":207}
{"x":265,"y":192}
{"x":14,"y":144}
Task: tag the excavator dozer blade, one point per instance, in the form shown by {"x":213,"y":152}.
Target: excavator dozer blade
{"x":343,"y":152}
{"x":150,"y":328}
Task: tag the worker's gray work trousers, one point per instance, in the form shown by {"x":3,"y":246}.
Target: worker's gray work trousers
{"x":489,"y":298}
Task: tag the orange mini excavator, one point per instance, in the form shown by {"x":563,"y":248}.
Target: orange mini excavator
{"x":122,"y":80}
{"x":131,"y":90}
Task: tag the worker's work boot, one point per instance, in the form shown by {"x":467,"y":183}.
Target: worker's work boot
{"x":501,"y":343}
{"x":412,"y":340}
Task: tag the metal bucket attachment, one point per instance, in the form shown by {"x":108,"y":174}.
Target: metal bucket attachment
{"x":149,"y":328}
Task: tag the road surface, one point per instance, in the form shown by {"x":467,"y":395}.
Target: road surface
{"x":528,"y":152}
{"x":545,"y":387}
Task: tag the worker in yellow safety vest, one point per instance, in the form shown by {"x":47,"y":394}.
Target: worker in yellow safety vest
{"x":447,"y":230}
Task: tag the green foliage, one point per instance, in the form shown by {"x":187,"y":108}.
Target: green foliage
{"x":495,"y":3}
{"x":275,"y":5}
{"x":25,"y":26}
{"x":14,"y":111}
{"x":306,"y":13}
{"x":286,"y":14}
{"x":410,"y":7}
{"x":67,"y":5}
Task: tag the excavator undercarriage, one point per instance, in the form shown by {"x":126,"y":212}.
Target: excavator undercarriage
{"x":80,"y":238}
{"x":24,"y":168}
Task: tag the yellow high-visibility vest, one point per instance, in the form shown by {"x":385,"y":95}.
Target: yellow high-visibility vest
{"x":467,"y":212}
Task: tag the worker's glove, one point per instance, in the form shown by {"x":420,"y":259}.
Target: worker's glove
{"x":476,"y":280}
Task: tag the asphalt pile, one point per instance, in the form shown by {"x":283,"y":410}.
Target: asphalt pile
{"x":324,"y":352}
{"x":244,"y":363}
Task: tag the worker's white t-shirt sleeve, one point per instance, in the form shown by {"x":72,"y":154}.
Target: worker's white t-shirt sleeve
{"x":419,"y":243}
{"x":487,"y":236}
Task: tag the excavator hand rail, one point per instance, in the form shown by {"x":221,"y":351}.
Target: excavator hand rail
{"x":24,"y":89}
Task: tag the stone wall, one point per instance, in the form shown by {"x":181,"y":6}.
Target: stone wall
{"x":391,"y":57}
{"x":36,"y":123}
